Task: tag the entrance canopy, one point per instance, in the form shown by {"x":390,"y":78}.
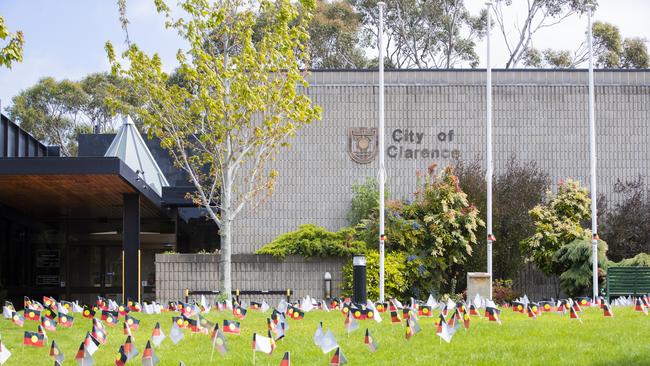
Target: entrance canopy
{"x":73,"y":187}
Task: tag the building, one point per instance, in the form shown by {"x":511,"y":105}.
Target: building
{"x":78,"y":227}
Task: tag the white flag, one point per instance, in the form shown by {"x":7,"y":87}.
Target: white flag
{"x":446,"y":333}
{"x":307,"y":305}
{"x":431,"y":302}
{"x":282,"y":306}
{"x":176,"y":334}
{"x":328,"y":342}
{"x":4,"y":354}
{"x":263,"y":344}
{"x":375,"y":313}
{"x":76,"y":308}
{"x":264,"y":307}
{"x":318,"y":335}
{"x":6,"y":312}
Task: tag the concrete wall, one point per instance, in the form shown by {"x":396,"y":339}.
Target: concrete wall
{"x":539,"y":115}
{"x":177,"y":272}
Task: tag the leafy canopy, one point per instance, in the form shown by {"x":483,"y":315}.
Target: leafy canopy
{"x":13,"y":49}
{"x":557,"y":223}
{"x":314,"y":241}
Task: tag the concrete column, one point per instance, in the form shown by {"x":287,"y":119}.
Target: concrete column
{"x":131,"y":247}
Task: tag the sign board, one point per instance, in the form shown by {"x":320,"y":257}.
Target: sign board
{"x":48,"y":258}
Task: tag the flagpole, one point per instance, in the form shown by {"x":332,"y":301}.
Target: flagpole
{"x":382,"y":171}
{"x":489,"y":173}
{"x":592,"y":153}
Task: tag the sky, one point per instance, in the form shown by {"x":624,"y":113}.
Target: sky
{"x":65,"y":38}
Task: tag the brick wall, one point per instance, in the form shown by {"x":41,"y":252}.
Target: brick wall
{"x":539,"y":115}
{"x":177,"y":272}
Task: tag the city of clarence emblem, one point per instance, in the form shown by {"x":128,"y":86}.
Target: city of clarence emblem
{"x":362,"y":144}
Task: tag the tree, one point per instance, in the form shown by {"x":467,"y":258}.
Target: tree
{"x":334,"y":37}
{"x":436,"y":231}
{"x":242,"y":101}
{"x":539,"y":14}
{"x":609,"y":48}
{"x":13,"y":49}
{"x":56,"y":112}
{"x":52,"y":111}
{"x":626,"y":226}
{"x":518,"y":188}
{"x":557,"y":223}
{"x":574,"y":263}
{"x":424,"y":34}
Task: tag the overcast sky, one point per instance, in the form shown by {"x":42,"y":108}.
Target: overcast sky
{"x":65,"y":38}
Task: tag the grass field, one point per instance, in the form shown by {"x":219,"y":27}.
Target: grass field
{"x":552,"y":339}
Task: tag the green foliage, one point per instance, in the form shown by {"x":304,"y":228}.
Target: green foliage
{"x":436,"y":230}
{"x":639,"y":260}
{"x":574,"y":262}
{"x":626,"y":225}
{"x":314,"y":241}
{"x":424,"y":34}
{"x":613,"y":52}
{"x":557,"y":223}
{"x":334,"y":37}
{"x":502,"y":292}
{"x":56,"y":112}
{"x":516,"y":190}
{"x":241,"y":98}
{"x":396,"y":283}
{"x":13,"y":49}
{"x":364,"y":201}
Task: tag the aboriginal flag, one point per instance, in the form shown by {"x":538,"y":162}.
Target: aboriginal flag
{"x":425,"y":311}
{"x":394,"y":318}
{"x":359,"y":314}
{"x":239,"y":312}
{"x":132,"y":322}
{"x":381,"y":307}
{"x":149,"y":358}
{"x":297,"y":314}
{"x":48,"y":324}
{"x":33,"y":315}
{"x":286,"y":360}
{"x":33,"y":339}
{"x":120,"y":358}
{"x":368,"y":340}
{"x":17,"y":319}
{"x":607,"y":310}
{"x":55,"y":353}
{"x":231,"y":326}
{"x":338,"y":358}
{"x":88,"y":312}
{"x":66,"y":320}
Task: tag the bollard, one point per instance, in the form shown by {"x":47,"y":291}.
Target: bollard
{"x":359,"y":279}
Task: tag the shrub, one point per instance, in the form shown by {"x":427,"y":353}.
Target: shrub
{"x":395,"y":277}
{"x":502,"y":292}
{"x":626,"y":227}
{"x":435,"y":231}
{"x":639,"y":260}
{"x":314,"y":241}
{"x":574,"y":262}
{"x":364,"y":201}
{"x":557,"y":223}
{"x":517,"y":189}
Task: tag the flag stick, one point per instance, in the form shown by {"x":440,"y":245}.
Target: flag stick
{"x":253,"y":356}
{"x":212,"y":353}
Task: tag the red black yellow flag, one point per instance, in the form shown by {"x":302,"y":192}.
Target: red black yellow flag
{"x":33,"y":339}
{"x":231,"y":326}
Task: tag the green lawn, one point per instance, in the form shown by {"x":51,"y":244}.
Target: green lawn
{"x":550,"y":340}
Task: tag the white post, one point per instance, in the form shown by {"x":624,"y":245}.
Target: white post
{"x":592,"y":153}
{"x":382,"y":171}
{"x":489,"y":168}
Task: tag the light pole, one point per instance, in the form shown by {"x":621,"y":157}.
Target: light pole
{"x":489,"y":168}
{"x":382,"y":171}
{"x":592,"y":153}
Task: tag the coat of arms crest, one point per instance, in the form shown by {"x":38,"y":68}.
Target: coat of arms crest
{"x":362,"y":144}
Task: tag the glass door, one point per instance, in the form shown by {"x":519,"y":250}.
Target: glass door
{"x":95,"y":270}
